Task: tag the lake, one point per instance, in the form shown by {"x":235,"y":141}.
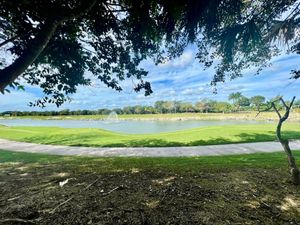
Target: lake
{"x":126,"y":126}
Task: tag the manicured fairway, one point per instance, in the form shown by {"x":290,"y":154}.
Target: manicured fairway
{"x":192,"y":137}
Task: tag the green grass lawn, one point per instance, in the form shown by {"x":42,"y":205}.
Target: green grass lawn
{"x":176,"y":164}
{"x":191,"y":137}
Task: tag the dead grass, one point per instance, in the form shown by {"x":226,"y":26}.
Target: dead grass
{"x":146,"y":195}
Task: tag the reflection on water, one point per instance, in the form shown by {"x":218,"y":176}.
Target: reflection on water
{"x":126,"y":126}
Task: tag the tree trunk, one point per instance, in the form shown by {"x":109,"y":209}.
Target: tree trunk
{"x":291,"y":160}
{"x":10,"y":73}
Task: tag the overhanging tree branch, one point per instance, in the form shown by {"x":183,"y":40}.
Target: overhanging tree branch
{"x":8,"y":40}
{"x":34,"y":49}
{"x":10,"y":73}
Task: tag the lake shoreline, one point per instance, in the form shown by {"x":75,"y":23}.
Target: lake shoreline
{"x":124,"y":125}
{"x":266,"y":116}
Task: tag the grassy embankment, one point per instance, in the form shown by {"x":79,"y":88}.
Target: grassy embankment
{"x":178,"y":116}
{"x":241,"y":189}
{"x":191,"y":137}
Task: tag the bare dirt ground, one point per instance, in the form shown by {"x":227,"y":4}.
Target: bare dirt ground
{"x":33,"y":195}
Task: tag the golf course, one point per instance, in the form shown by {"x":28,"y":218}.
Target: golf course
{"x":138,"y":112}
{"x":193,"y":137}
{"x":151,"y":185}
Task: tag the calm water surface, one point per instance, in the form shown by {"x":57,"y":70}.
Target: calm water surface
{"x":126,"y":126}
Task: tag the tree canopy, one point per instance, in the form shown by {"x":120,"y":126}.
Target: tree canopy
{"x":235,"y":96}
{"x":160,"y":107}
{"x":257,"y":100}
{"x":61,"y":44}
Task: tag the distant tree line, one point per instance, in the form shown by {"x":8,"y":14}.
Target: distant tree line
{"x":237,"y":103}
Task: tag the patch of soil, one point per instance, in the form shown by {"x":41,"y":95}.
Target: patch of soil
{"x":247,"y":196}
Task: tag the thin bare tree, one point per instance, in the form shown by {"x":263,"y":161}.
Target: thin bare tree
{"x":283,"y":116}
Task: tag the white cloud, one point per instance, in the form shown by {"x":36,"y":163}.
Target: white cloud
{"x":185,"y":59}
{"x":193,"y":91}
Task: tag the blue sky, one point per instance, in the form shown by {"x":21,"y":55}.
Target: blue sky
{"x":182,"y":79}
